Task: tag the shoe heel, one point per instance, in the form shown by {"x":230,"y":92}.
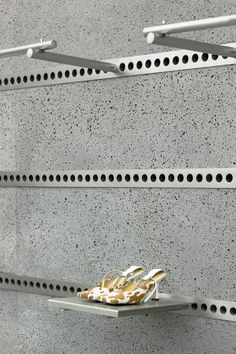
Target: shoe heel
{"x":155,"y":296}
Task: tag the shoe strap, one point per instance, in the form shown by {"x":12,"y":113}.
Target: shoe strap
{"x":155,"y":274}
{"x":132,"y":271}
{"x":109,"y":273}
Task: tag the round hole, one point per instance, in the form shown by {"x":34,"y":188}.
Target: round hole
{"x":89,"y":71}
{"x":180,"y":177}
{"x":219,"y":177}
{"x":189,"y":177}
{"x":87,"y":178}
{"x":74,"y":73}
{"x":162,"y":177}
{"x":72,"y":289}
{"x":18,"y":178}
{"x":44,"y":286}
{"x":31,"y":178}
{"x":11,"y":178}
{"x":223,"y":310}
{"x":72,"y":178}
{"x":215,"y":57}
{"x":37,"y":178}
{"x":194,"y":58}
{"x":139,"y":65}
{"x":59,"y":74}
{"x":13,"y":281}
{"x":38,"y":77}
{"x":213,"y":308}
{"x":18,"y":282}
{"x":65,"y":178}
{"x":0,"y":82}
{"x":144,"y":178}
{"x":199,"y":177}
{"x":31,"y":284}
{"x":103,"y":178}
{"x":205,"y":57}
{"x":111,"y":178}
{"x":58,"y":288}
{"x":194,"y":306}
{"x":209,"y":177}
{"x":67,"y":73}
{"x":5,"y":178}
{"x":153,"y":177}
{"x":51,"y":178}
{"x":157,"y":62}
{"x":80,"y":178}
{"x":166,"y":61}
{"x":233,"y":311}
{"x":25,"y":79}
{"x":79,"y":290}
{"x":58,"y":178}
{"x":12,"y":80}
{"x":25,"y":283}
{"x":45,"y":76}
{"x":171,"y":177}
{"x":24,"y":178}
{"x":127,"y":178}
{"x":185,"y":59}
{"x":64,"y":288}
{"x":95,"y":178}
{"x":203,"y":307}
{"x":229,"y":177}
{"x":37,"y":285}
{"x":32,"y":78}
{"x":136,"y":178}
{"x":44,"y":178}
{"x":176,"y":60}
{"x":97,"y":71}
{"x":6,"y":81}
{"x":148,"y":63}
{"x":52,"y":75}
{"x":131,"y":65}
{"x":6,"y":280}
{"x":51,"y":286}
{"x":18,"y":79}
{"x":82,"y":72}
{"x":1,"y":280}
{"x":119,"y":178}
{"x":122,"y":67}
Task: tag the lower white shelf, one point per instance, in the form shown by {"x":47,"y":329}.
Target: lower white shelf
{"x":165,"y":303}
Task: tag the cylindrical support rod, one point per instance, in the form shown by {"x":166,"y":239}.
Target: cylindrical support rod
{"x":191,"y":25}
{"x":23,"y":49}
{"x":71,"y":60}
{"x":188,"y":44}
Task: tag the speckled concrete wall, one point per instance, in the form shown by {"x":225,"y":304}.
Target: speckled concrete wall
{"x":179,"y":119}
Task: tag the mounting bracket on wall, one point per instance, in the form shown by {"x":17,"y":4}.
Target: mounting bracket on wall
{"x":160,"y":35}
{"x":155,"y":178}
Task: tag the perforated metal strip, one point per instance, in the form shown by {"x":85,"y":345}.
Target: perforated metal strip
{"x":128,"y":66}
{"x":202,"y":307}
{"x":158,"y":178}
{"x":59,"y":288}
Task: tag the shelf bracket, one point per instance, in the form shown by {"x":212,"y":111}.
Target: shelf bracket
{"x":71,"y":60}
{"x":5,"y":53}
{"x":160,"y":35}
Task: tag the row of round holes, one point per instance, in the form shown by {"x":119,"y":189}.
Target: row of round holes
{"x":162,"y":177}
{"x":213,"y":309}
{"x":38,"y":285}
{"x":148,"y":63}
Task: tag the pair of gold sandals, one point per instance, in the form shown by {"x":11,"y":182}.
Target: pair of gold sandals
{"x":124,"y":288}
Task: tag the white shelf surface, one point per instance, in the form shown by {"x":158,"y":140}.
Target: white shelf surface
{"x":165,"y":303}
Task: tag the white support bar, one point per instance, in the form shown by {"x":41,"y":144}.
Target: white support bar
{"x":71,"y":60}
{"x":192,"y":25}
{"x":23,"y":49}
{"x":188,"y":44}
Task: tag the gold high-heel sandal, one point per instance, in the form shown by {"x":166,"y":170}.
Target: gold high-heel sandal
{"x":108,"y":285}
{"x":137,"y":291}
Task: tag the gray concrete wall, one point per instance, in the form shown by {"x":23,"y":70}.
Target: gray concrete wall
{"x":179,"y":119}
